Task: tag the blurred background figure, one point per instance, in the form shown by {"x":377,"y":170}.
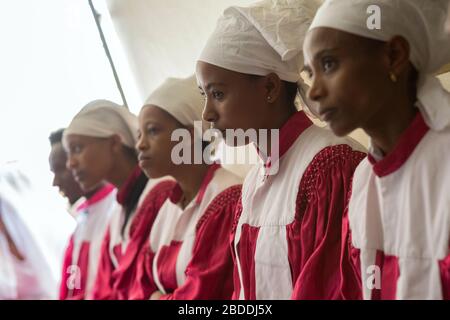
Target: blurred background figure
{"x":25,"y":271}
{"x":63,"y":178}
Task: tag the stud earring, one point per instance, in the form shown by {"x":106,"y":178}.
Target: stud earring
{"x":393,"y":77}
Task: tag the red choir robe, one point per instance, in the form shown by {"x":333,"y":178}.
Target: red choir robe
{"x":287,"y":237}
{"x":187,"y":255}
{"x":73,"y":209}
{"x":83,"y":251}
{"x":119,"y":251}
{"x":397,"y":232}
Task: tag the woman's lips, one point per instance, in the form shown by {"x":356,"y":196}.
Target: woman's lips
{"x":143,"y":160}
{"x":78,"y":177}
{"x":327,"y":114}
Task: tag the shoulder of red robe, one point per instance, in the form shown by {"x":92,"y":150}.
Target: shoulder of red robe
{"x":333,"y":157}
{"x":227,"y":200}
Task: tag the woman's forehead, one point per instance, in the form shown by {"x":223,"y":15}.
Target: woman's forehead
{"x":153,"y":113}
{"x":209,"y":74}
{"x":327,"y":39}
{"x":76,"y":137}
{"x":79,"y":138}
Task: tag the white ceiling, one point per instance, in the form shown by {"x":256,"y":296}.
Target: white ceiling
{"x":164,"y":38}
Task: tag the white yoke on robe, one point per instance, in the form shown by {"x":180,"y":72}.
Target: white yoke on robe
{"x":399,"y":218}
{"x":83,"y":252}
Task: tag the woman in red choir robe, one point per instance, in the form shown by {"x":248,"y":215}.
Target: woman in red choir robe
{"x":396,"y":239}
{"x":187,"y":254}
{"x":287,"y":235}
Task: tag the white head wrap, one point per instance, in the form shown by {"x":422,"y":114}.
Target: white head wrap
{"x":102,"y":119}
{"x":262,"y":38}
{"x":421,"y":23}
{"x":181,"y":99}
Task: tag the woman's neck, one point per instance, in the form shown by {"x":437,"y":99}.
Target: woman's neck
{"x":277,"y":122}
{"x":89,"y":194}
{"x":122,"y":169}
{"x":387,"y":127}
{"x":190,"y":179}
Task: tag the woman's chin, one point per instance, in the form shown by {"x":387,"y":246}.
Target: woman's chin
{"x":153,"y":174}
{"x":88,"y":187}
{"x":340,"y":129}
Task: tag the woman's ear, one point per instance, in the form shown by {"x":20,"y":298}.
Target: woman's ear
{"x":116,"y":144}
{"x":398,"y":54}
{"x":273,"y":87}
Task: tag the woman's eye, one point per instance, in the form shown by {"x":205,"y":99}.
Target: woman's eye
{"x":328,"y":64}
{"x":75,"y":149}
{"x":217,"y":95}
{"x":152,"y":130}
